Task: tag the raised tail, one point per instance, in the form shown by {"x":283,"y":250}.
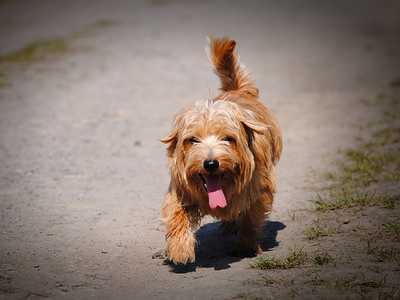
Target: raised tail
{"x":225,"y":60}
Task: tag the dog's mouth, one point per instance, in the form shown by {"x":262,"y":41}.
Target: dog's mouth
{"x":213,"y":186}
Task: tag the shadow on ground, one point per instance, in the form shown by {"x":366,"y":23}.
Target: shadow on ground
{"x":214,"y":248}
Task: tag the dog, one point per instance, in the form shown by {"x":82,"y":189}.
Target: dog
{"x":221,"y":153}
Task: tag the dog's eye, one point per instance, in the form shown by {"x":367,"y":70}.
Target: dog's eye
{"x":228,"y":139}
{"x":193,"y":140}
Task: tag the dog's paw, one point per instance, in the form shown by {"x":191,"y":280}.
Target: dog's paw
{"x":181,"y":250}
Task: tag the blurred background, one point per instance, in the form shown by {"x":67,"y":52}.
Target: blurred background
{"x":87,"y":90}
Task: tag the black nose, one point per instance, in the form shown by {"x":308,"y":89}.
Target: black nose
{"x":211,"y":165}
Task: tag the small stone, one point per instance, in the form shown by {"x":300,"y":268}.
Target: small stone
{"x":346,"y":221}
{"x":160,"y":254}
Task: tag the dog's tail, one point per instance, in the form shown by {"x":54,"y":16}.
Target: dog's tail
{"x":225,"y":60}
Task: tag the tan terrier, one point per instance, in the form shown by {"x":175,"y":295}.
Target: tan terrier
{"x":221,"y":156}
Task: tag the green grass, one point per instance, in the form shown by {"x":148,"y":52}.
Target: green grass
{"x":392,"y":229}
{"x":41,"y":49}
{"x":32,"y":52}
{"x":350,"y":197}
{"x":384,"y":136}
{"x":317,"y":231}
{"x":363,"y":169}
{"x":384,"y":253}
{"x":338,"y":283}
{"x":368,"y":164}
{"x":322,"y":258}
{"x":35,"y":51}
{"x":295,"y":258}
{"x":3,"y":80}
{"x":269,"y":280}
{"x":348,"y":282}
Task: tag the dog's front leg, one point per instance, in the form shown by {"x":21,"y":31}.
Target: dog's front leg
{"x":180,"y":223}
{"x":251,"y":224}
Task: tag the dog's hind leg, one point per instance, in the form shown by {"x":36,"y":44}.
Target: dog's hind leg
{"x":180,"y":223}
{"x":229,"y":227}
{"x":250,"y":225}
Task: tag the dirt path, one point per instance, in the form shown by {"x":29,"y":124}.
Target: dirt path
{"x":82,"y":172}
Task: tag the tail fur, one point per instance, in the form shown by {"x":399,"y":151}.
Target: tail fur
{"x":225,"y":60}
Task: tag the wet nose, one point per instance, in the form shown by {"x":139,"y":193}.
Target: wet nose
{"x":211,"y":165}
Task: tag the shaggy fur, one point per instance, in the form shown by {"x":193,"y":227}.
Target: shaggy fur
{"x":236,"y":129}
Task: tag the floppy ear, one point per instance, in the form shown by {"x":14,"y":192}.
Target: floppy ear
{"x":251,"y":127}
{"x":255,"y":126}
{"x":171,"y":140}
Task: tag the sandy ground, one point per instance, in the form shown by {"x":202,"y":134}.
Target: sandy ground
{"x":82,"y":171}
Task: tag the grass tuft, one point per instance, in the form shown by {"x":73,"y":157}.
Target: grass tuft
{"x":322,"y":258}
{"x":3,"y":80}
{"x":348,"y":282}
{"x":392,"y":229}
{"x":364,"y":169}
{"x":269,"y":280}
{"x":35,"y":51}
{"x":384,"y":253}
{"x":317,"y":231}
{"x":349,"y":197}
{"x":296,"y":257}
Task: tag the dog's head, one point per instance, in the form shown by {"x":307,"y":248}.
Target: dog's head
{"x":210,"y":150}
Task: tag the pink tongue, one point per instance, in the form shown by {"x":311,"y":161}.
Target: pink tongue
{"x":216,"y":195}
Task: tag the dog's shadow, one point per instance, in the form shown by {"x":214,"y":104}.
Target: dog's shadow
{"x":214,"y":248}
